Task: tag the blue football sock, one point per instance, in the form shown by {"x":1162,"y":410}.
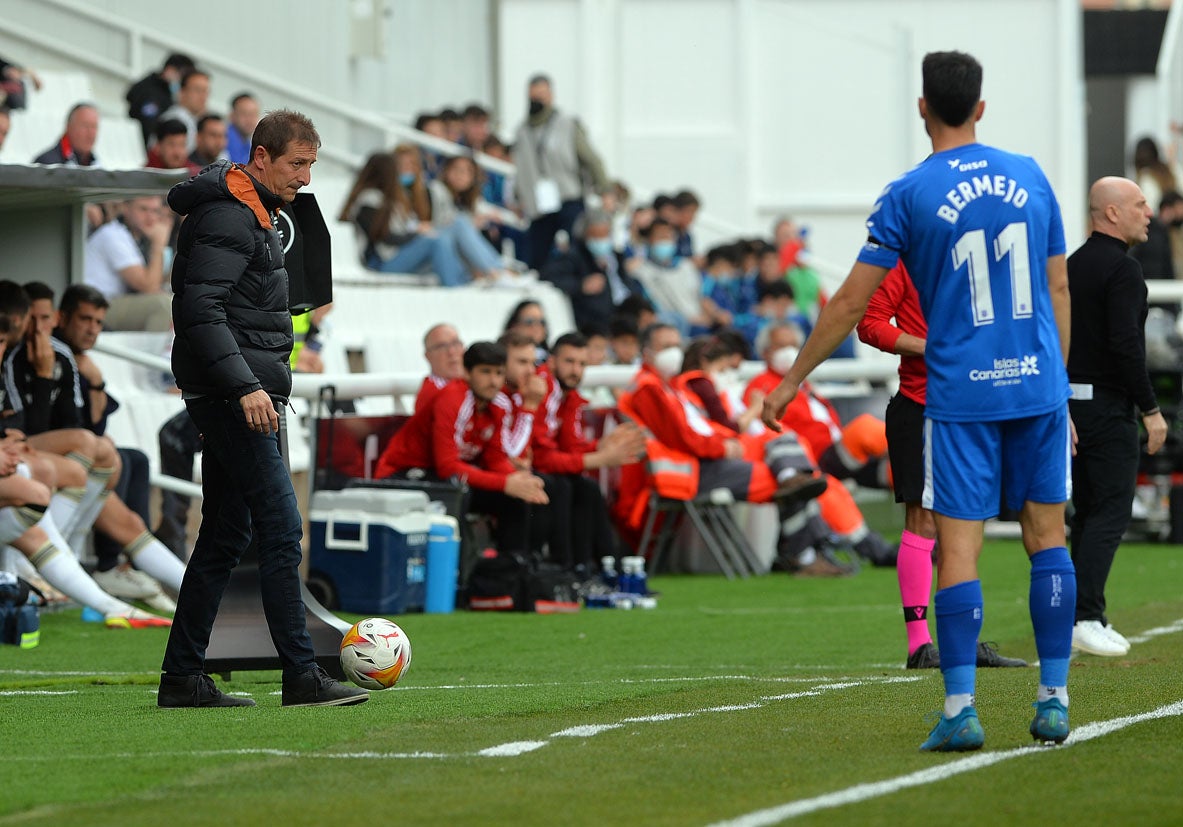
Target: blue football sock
{"x":1053,"y":612}
{"x":959,"y":621}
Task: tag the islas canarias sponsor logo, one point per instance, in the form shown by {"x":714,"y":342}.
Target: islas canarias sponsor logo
{"x":1007,"y":368}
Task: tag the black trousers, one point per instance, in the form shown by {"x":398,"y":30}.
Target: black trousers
{"x":1104,"y":474}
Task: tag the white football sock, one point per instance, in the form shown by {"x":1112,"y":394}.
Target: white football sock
{"x":88,"y":512}
{"x":63,"y":505}
{"x":1048,"y":692}
{"x":955,"y":703}
{"x":153,"y":558}
{"x":61,"y":570}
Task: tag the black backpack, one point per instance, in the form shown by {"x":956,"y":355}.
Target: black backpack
{"x":20,"y":622}
{"x":517,"y":581}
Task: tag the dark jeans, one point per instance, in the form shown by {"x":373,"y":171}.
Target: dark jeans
{"x":1104,"y":474}
{"x":540,"y":235}
{"x":247,"y":493}
{"x":132,"y":488}
{"x":590,"y":526}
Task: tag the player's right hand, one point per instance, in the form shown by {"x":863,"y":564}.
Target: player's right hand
{"x":775,"y":404}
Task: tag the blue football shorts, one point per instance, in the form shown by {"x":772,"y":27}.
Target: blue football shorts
{"x":968,"y":465}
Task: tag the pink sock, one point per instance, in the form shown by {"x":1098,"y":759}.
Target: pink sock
{"x":914,"y":569}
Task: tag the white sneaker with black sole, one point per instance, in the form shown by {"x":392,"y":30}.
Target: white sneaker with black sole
{"x":1089,"y":636}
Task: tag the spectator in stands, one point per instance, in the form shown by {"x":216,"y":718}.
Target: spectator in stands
{"x":170,"y":151}
{"x":76,"y":147}
{"x":192,"y":100}
{"x":591,"y":273}
{"x":211,"y":141}
{"x":638,"y":235}
{"x":699,"y":457}
{"x":453,"y":124}
{"x":775,"y":305}
{"x":153,"y":94}
{"x":724,"y":292}
{"x":528,"y":317}
{"x":390,"y":209}
{"x":444,"y":352}
{"x":474,"y":126}
{"x":116,"y":265}
{"x":13,"y":92}
{"x":685,"y":209}
{"x":1170,"y":213}
{"x":1153,"y":175}
{"x":454,"y":216}
{"x":663,"y":208}
{"x":42,"y":375}
{"x":459,"y":437}
{"x":244,"y":116}
{"x":562,"y":450}
{"x":671,"y":282}
{"x":624,"y":340}
{"x":554,"y":158}
{"x":430,"y":160}
{"x":596,"y":337}
{"x":5,"y":125}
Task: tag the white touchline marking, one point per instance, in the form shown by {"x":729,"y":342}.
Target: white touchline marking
{"x":1177,"y":626}
{"x":863,"y":792}
{"x":39,"y":692}
{"x":511,"y":749}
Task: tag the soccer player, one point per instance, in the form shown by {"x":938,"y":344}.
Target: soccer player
{"x":979,"y":231}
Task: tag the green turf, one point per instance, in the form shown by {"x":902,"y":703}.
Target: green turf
{"x":104,"y":754}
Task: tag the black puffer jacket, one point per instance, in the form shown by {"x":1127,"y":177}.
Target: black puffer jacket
{"x":230,"y":288}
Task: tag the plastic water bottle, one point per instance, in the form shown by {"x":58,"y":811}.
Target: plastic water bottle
{"x":640,"y":578}
{"x":626,"y":585}
{"x":608,"y":572}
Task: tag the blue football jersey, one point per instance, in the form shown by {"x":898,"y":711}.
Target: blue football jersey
{"x":975,"y":227}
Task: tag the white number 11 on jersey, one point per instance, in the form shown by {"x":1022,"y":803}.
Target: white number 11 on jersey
{"x":971,"y":249}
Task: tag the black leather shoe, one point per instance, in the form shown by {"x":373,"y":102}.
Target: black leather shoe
{"x":988,"y":657}
{"x":316,"y":688}
{"x":190,"y":691}
{"x":926,"y":657}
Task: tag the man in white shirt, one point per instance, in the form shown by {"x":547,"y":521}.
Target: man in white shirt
{"x":192,"y":99}
{"x":132,"y":280}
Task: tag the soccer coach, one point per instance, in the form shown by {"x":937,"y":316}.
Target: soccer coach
{"x":230,"y":358}
{"x":1107,"y":371}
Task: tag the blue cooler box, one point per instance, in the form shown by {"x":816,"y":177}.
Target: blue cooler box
{"x":371,"y":544}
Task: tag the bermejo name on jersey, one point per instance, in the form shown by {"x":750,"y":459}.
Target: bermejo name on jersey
{"x":975,"y":227}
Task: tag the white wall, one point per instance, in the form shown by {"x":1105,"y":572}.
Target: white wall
{"x":804,"y":107}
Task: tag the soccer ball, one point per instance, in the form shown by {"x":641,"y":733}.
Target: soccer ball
{"x":375,"y":653}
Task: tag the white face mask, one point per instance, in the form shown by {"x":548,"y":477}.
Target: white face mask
{"x":783,"y":359}
{"x":668,"y":362}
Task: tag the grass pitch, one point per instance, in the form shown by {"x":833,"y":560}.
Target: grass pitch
{"x":751,"y":702}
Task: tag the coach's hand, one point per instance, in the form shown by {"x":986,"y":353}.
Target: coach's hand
{"x":1156,"y":431}
{"x":775,"y":404}
{"x":259,"y":412}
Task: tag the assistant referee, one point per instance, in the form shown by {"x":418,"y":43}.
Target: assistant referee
{"x":1111,"y":390}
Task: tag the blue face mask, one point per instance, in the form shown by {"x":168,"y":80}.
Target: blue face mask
{"x":599,"y":247}
{"x":406,"y":178}
{"x":663,"y":251}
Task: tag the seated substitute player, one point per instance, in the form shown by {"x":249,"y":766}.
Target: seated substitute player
{"x":997,"y":386}
{"x":688,"y":456}
{"x":460,"y":437}
{"x":42,"y":375}
{"x":896,"y":298}
{"x":561,"y":449}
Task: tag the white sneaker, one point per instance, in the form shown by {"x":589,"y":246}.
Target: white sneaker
{"x":1116,"y":636}
{"x":126,"y":583}
{"x":1090,"y":636}
{"x":161,"y":602}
